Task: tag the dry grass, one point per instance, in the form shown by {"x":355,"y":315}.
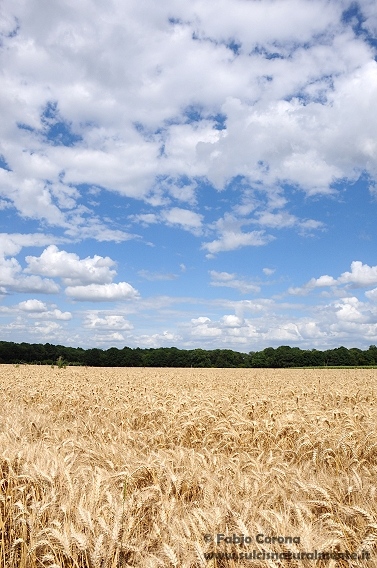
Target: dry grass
{"x":131,"y":467}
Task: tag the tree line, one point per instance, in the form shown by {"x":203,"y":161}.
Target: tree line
{"x":280,"y":357}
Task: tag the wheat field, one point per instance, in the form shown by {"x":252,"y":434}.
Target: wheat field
{"x":116,"y":467}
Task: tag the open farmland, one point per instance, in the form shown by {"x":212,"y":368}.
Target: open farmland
{"x":133,"y":467}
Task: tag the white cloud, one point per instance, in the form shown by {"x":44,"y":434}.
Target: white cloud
{"x":284,"y":220}
{"x":269,"y":271}
{"x":175,"y":217}
{"x":116,"y":336}
{"x":102,"y":292}
{"x":310,"y":330}
{"x":35,"y":284}
{"x":231,"y":240}
{"x":231,"y":236}
{"x":299,"y":290}
{"x":37,"y":309}
{"x":4,"y":204}
{"x":32,"y":306}
{"x":70,"y":268}
{"x":360,"y":275}
{"x":287,"y":332}
{"x":145,"y":218}
{"x":186,"y":219}
{"x":350,"y":310}
{"x":203,"y":327}
{"x":371,"y":294}
{"x":231,"y":321}
{"x":293,"y":139}
{"x":31,"y":197}
{"x":13,"y":279}
{"x":185,"y":192}
{"x":324,"y":280}
{"x":12,"y":243}
{"x":222,"y":276}
{"x":132,"y":119}
{"x":228,"y":280}
{"x":93,"y":228}
{"x":54,"y":314}
{"x":277,"y":220}
{"x":166,"y":338}
{"x":200,"y":320}
{"x":94,"y":321}
{"x":321,"y":282}
{"x":339,"y":322}
{"x":46,"y":329}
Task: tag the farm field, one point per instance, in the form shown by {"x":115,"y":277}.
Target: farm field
{"x":116,"y":467}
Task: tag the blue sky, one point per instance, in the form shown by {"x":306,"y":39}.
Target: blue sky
{"x":197,"y":174}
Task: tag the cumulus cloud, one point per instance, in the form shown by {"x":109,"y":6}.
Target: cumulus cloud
{"x":166,"y":338}
{"x":231,"y":321}
{"x":70,"y":268}
{"x":12,"y":278}
{"x":102,"y":292}
{"x":231,"y":236}
{"x":342,"y":321}
{"x":200,"y":320}
{"x":116,"y":336}
{"x":323,"y":281}
{"x":37,"y":309}
{"x":371,"y":294}
{"x":202,"y":327}
{"x":292,"y":138}
{"x":33,"y":306}
{"x":267,"y":95}
{"x":361,"y":275}
{"x":58,"y":314}
{"x":110,"y":322}
{"x":46,"y":329}
{"x":184,"y":218}
{"x":350,"y":310}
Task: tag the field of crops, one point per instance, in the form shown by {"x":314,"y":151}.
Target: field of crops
{"x":142,"y":467}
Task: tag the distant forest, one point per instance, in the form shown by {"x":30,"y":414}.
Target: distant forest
{"x":281,"y":357}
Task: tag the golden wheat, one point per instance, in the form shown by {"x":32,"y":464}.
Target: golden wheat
{"x":108,"y":468}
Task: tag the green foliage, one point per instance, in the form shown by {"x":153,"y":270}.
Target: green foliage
{"x":281,"y":357}
{"x":61,"y":363}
